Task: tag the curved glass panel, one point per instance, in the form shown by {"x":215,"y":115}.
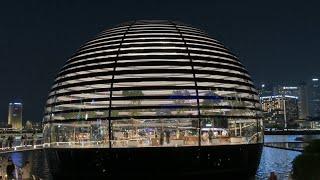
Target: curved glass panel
{"x":152,"y":84}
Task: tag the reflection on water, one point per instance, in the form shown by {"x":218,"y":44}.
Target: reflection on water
{"x":279,"y":160}
{"x":289,"y":138}
{"x":39,"y":167}
{"x":272,"y":160}
{"x":276,"y":160}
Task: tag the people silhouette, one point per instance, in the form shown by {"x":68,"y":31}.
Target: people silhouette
{"x":273,"y":176}
{"x":161,"y":138}
{"x":210,"y":135}
{"x":168,"y":137}
{"x":26,"y":170}
{"x":10,"y":169}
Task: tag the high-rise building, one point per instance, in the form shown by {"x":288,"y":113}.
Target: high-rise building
{"x":314,"y":100}
{"x":280,"y":110}
{"x":286,"y":90}
{"x":298,"y":91}
{"x":15,"y":115}
{"x":303,"y":105}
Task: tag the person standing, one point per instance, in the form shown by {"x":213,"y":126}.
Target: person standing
{"x":210,"y":136}
{"x":3,"y":163}
{"x":168,"y":137}
{"x":161,"y":137}
{"x":26,"y":171}
{"x":10,"y":170}
{"x":273,"y":176}
{"x":22,"y":140}
{"x":1,"y":172}
{"x":25,"y":142}
{"x":33,"y":139}
{"x":3,"y":142}
{"x":10,"y":141}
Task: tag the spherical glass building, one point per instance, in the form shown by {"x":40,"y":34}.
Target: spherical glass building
{"x":148,"y":93}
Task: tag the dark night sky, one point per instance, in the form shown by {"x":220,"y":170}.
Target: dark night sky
{"x":278,"y":41}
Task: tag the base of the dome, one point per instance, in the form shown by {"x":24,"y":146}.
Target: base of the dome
{"x":205,"y":161}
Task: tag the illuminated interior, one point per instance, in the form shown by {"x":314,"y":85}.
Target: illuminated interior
{"x":152,"y":84}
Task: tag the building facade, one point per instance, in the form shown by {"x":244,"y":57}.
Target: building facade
{"x":153,"y":91}
{"x":15,"y":115}
{"x":301,"y":92}
{"x":314,"y":98}
{"x":280,"y":110}
{"x":303,"y":104}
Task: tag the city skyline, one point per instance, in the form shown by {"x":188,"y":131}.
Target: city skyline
{"x":277,"y":44}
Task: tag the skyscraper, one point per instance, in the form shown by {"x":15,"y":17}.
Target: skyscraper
{"x":300,"y":92}
{"x":303,"y":101}
{"x":15,"y":115}
{"x":315,"y":98}
{"x":286,"y":90}
{"x":280,"y":110}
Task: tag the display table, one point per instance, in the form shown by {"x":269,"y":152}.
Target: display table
{"x":155,"y":142}
{"x":235,"y":139}
{"x":224,"y":140}
{"x":191,"y":140}
{"x":177,"y":142}
{"x":215,"y":141}
{"x":133,"y":143}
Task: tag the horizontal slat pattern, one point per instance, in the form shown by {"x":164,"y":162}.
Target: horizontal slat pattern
{"x":152,"y":68}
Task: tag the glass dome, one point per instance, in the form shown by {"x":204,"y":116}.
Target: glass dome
{"x":152,"y":84}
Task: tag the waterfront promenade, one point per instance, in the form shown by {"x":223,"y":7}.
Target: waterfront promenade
{"x":293,"y":132}
{"x":34,"y":141}
{"x":17,"y":141}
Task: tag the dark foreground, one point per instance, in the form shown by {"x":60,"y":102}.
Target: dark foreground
{"x":272,"y":160}
{"x":227,"y":161}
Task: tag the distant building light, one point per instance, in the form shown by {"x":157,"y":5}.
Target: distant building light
{"x":278,"y":96}
{"x":15,"y":103}
{"x":292,"y":87}
{"x":294,"y":97}
{"x":315,"y":79}
{"x":263,"y":85}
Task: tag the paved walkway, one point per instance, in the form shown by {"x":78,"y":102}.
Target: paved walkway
{"x":20,"y":148}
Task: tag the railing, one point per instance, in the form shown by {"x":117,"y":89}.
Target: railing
{"x":292,"y":146}
{"x":20,"y":148}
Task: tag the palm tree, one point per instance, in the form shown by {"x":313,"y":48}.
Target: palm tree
{"x":179,"y":97}
{"x":212,"y":99}
{"x":135,"y":101}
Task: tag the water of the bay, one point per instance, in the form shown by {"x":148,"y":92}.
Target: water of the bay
{"x":272,"y":160}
